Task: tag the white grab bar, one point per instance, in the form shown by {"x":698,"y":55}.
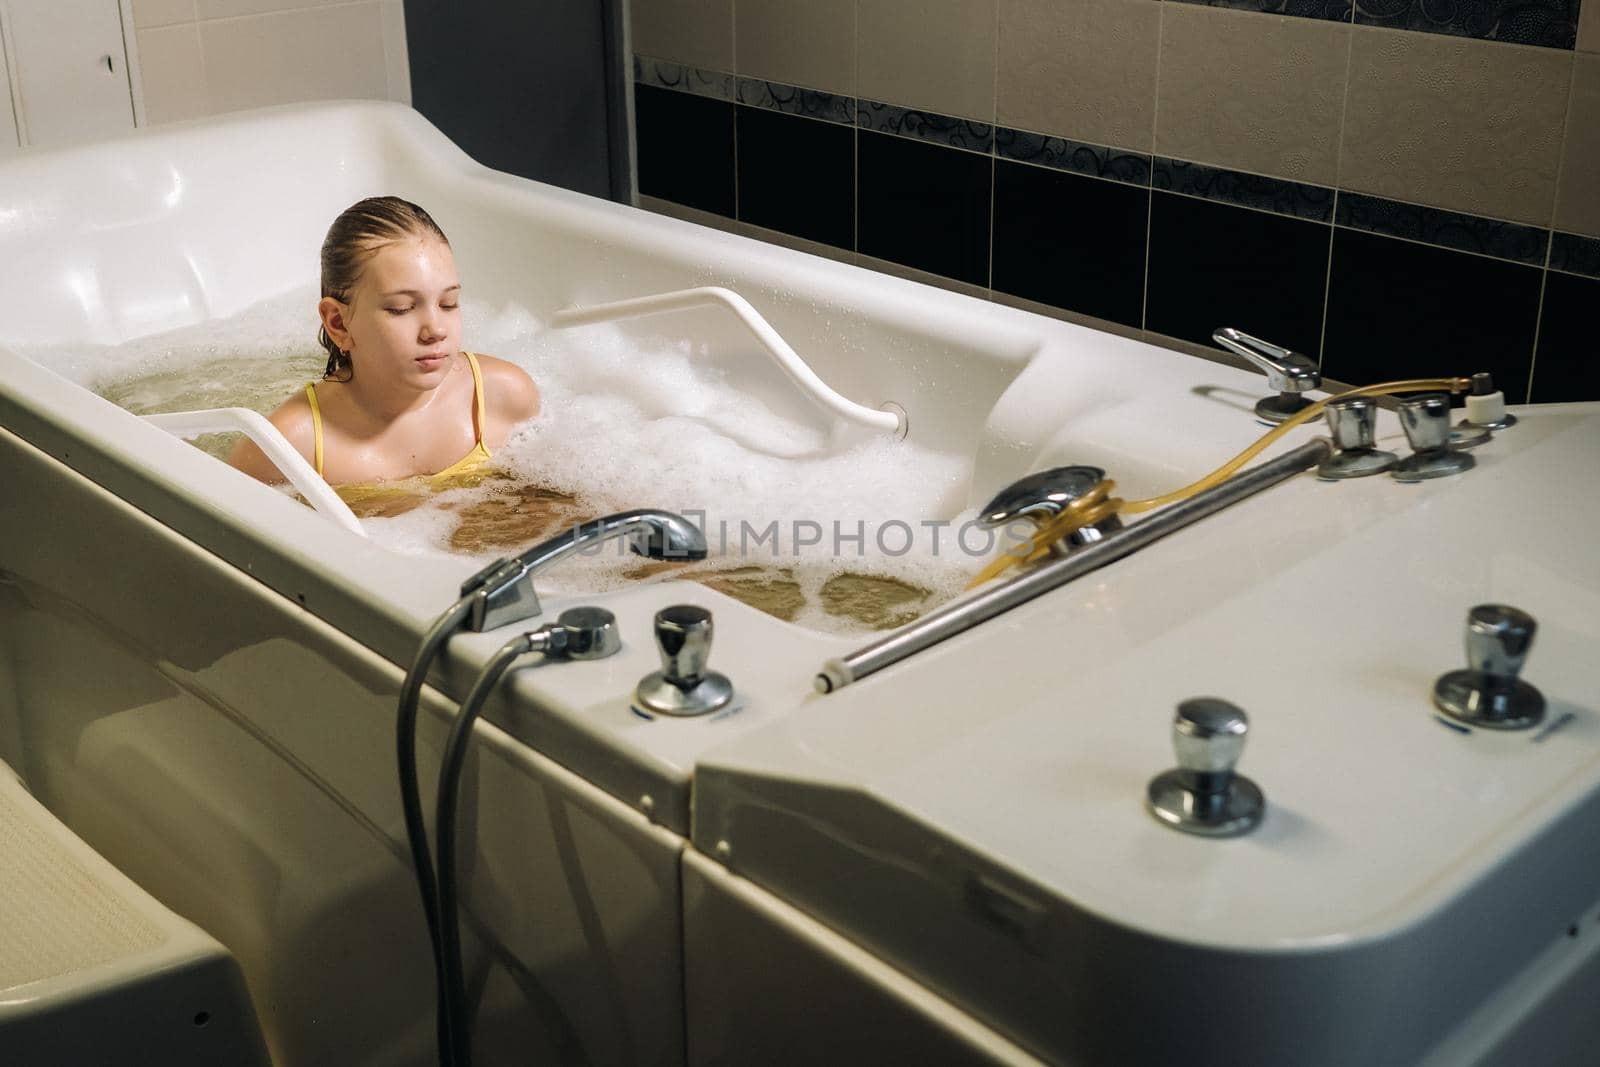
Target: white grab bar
{"x":891,"y":419}
{"x":267,"y":438}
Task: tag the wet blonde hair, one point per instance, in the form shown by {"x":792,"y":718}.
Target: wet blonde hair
{"x":355,"y":237}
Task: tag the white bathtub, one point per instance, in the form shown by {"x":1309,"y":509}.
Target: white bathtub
{"x":198,"y":676}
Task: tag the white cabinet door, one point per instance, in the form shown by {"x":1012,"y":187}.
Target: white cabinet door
{"x":71,"y":69}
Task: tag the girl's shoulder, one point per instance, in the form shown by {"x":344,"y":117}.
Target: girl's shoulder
{"x":508,"y":390}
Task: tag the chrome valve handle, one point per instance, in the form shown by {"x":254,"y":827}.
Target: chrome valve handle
{"x":1426,"y":421}
{"x":1039,"y":497}
{"x":1289,"y":372}
{"x":1354,"y":421}
{"x":683,"y":686}
{"x":588,"y":633}
{"x":1489,"y":693}
{"x":1203,"y":794}
{"x":683,"y":636}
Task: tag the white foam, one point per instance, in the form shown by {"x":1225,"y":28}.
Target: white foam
{"x":623,"y":424}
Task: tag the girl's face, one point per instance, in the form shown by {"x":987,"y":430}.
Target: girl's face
{"x":403,"y":321}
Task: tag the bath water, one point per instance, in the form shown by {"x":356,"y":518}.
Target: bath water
{"x":817,"y":523}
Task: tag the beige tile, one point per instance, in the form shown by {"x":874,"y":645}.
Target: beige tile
{"x":147,"y":14}
{"x":1578,"y":206}
{"x":222,"y":9}
{"x":932,"y":55}
{"x":1589,"y":26}
{"x":1081,"y":69}
{"x":799,"y":42}
{"x":313,"y":54}
{"x":1467,"y":125}
{"x":1247,"y":91}
{"x":173,"y":74}
{"x":696,"y":32}
{"x":396,"y":58}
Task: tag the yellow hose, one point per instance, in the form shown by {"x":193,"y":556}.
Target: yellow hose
{"x":1096,"y":507}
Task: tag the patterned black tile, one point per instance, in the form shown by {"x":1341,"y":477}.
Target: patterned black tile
{"x":1217,"y":265}
{"x":792,"y":100}
{"x":1070,"y":241}
{"x":797,"y":176}
{"x":924,"y":206}
{"x":1468,"y":233}
{"x":1550,"y":23}
{"x":1403,"y":310}
{"x":1331,"y":10}
{"x":1575,"y":254}
{"x":1567,"y":366}
{"x":1243,"y":189}
{"x":1078,"y":157}
{"x":924,"y":126}
{"x":660,"y":74}
{"x":685,"y":148}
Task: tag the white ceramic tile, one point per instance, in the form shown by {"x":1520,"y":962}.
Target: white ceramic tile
{"x":313,"y":54}
{"x":173,"y":73}
{"x":148,"y":14}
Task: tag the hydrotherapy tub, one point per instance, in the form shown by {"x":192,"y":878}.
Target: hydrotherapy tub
{"x":948,"y":861}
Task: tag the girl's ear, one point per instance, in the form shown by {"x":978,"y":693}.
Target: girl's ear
{"x":333,"y":313}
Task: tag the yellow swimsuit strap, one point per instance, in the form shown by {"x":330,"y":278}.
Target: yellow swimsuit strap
{"x":316,"y":424}
{"x":480,"y":415}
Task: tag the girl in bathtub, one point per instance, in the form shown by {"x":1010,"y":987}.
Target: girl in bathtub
{"x":400,"y":398}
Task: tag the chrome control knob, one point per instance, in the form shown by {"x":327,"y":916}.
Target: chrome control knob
{"x":1354,"y":423}
{"x":1039,"y":497}
{"x":1203,"y":794}
{"x":1426,"y":421}
{"x":1489,"y":693}
{"x":683,"y":686}
{"x":589,"y":633}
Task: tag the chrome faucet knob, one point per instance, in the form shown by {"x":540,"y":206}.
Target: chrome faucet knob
{"x":591,"y":633}
{"x":1489,"y":693}
{"x":683,"y":686}
{"x":1203,"y":794}
{"x":1287,"y":371}
{"x":683,"y":636}
{"x":1039,"y":497}
{"x":1354,"y":422}
{"x":1426,"y":421}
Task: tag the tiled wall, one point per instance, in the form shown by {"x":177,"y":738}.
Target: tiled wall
{"x":1391,"y":192}
{"x":204,"y":57}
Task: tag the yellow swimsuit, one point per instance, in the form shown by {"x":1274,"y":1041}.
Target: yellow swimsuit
{"x":381,"y":493}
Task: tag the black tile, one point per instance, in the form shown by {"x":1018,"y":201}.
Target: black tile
{"x":1077,"y":243}
{"x":924,"y":206}
{"x":1550,"y":23}
{"x":925,"y":126}
{"x":1314,"y":202}
{"x":685,"y":147}
{"x":1403,"y":310}
{"x":797,"y":175}
{"x":793,"y":100}
{"x":1574,"y":253}
{"x":1213,"y":265}
{"x":1449,"y":229}
{"x":1567,"y":367}
{"x":1330,"y":10}
{"x":1080,"y":157}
